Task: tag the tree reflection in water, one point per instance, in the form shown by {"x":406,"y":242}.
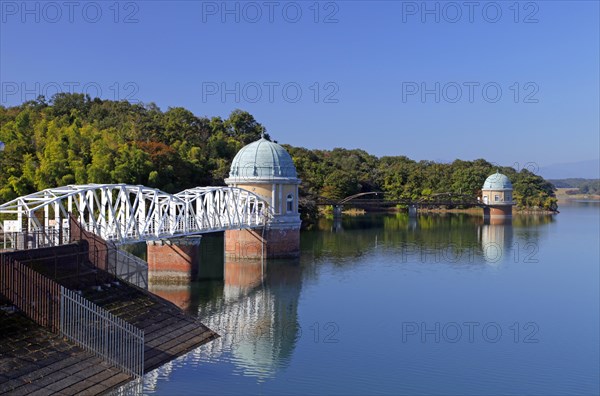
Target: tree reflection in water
{"x":253,"y":304}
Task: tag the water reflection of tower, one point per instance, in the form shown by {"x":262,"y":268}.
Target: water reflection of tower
{"x":413,"y":223}
{"x":257,"y":316}
{"x":496,"y":238}
{"x":337,"y":224}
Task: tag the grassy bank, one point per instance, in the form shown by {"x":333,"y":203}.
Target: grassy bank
{"x":562,"y":196}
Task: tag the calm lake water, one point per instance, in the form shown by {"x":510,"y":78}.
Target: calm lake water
{"x":384,"y":304}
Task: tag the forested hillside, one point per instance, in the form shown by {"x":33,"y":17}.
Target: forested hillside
{"x":76,"y":140}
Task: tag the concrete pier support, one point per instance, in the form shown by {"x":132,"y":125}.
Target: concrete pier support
{"x":173,"y":260}
{"x":258,"y":244}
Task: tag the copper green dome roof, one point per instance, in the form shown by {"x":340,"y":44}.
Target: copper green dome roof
{"x":262,"y":159}
{"x":497,"y":181}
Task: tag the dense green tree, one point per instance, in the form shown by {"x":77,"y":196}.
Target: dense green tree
{"x":532,"y":191}
{"x":242,"y":126}
{"x":75,"y":139}
{"x":340,"y":184}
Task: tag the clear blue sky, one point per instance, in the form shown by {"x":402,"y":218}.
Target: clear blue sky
{"x":373,"y":59}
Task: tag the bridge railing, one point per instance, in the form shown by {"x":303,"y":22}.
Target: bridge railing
{"x":33,"y":240}
{"x":107,"y":256}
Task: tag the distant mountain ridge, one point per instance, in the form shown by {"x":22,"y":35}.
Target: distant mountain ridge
{"x":589,"y":169}
{"x":574,"y":182}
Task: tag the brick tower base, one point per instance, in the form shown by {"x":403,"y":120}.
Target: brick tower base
{"x":497,"y":211}
{"x":254,"y":244}
{"x":173,"y":260}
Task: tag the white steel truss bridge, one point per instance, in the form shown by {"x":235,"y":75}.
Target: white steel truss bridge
{"x":125,"y":213}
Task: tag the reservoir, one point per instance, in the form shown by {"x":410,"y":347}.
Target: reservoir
{"x":387,"y":304}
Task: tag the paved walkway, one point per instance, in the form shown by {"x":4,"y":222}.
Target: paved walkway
{"x":34,"y":361}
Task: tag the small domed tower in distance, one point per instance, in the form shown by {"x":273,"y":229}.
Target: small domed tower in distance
{"x":497,"y":196}
{"x":266,"y":169}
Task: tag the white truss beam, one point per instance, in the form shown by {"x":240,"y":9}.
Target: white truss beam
{"x":126,"y":214}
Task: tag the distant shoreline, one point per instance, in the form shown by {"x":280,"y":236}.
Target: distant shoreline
{"x":562,"y":196}
{"x":524,"y":211}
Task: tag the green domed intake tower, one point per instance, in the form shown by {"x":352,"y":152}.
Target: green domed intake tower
{"x":266,"y":169}
{"x":497,"y":196}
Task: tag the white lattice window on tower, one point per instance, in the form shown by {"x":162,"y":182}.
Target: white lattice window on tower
{"x":496,"y":198}
{"x":290,"y":203}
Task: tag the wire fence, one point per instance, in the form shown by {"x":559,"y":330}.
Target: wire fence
{"x":66,"y":312}
{"x":130,"y":268}
{"x":102,"y":333}
{"x":34,"y":294}
{"x":106,"y":256}
{"x":34,"y":277}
